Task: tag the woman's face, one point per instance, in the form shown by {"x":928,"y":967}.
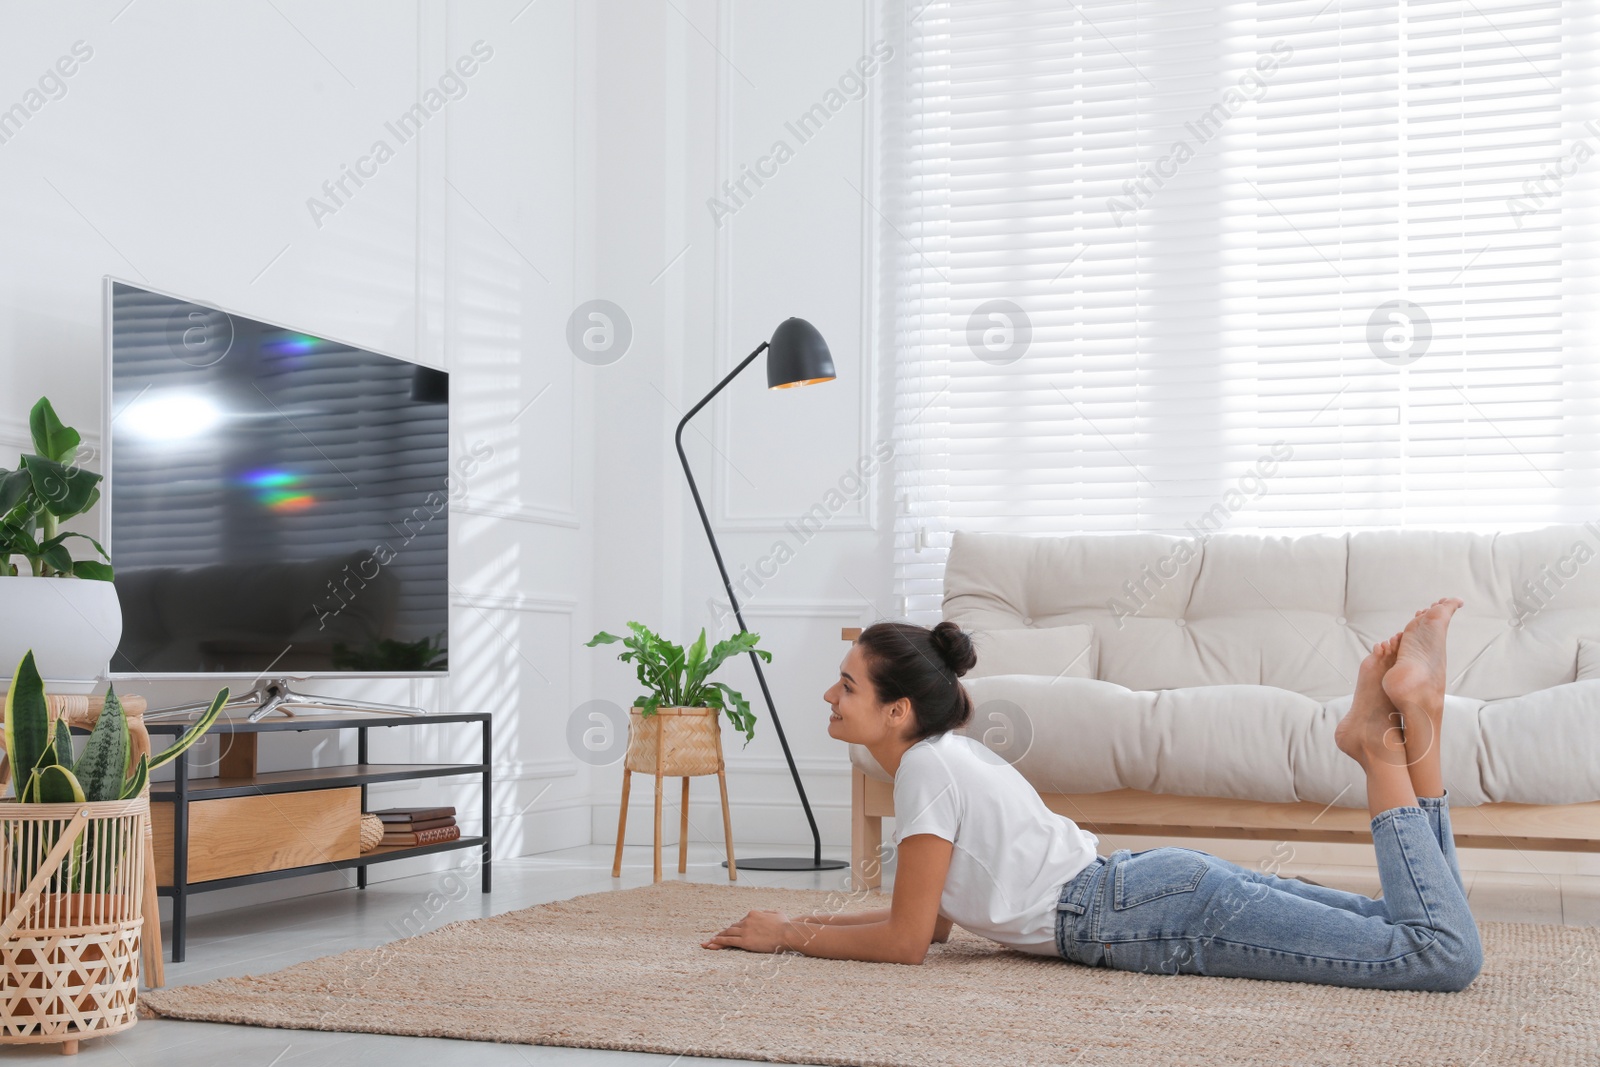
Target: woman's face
{"x":857,"y":716}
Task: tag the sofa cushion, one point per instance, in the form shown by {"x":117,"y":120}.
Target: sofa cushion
{"x":1073,"y":735}
{"x":1588,"y":659}
{"x":1539,"y":748}
{"x":1053,"y":651}
{"x":1296,"y":613}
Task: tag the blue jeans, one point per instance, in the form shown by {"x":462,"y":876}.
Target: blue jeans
{"x":1180,"y":911}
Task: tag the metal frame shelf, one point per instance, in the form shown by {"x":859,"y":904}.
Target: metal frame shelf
{"x":184,"y":790}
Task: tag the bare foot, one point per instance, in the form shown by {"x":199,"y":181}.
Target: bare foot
{"x":1416,"y":684}
{"x":1416,"y":681}
{"x":1370,"y":731}
{"x":1418,"y":673}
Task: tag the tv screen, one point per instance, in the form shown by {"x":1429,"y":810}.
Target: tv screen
{"x":278,"y":503}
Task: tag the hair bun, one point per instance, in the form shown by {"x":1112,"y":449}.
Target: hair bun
{"x":955,"y":647}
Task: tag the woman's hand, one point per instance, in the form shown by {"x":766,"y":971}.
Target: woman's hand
{"x":758,"y":931}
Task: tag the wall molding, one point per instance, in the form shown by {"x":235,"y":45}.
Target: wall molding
{"x":545,"y":807}
{"x":524,"y":770}
{"x":433,"y":222}
{"x":508,"y":771}
{"x":839,"y":523}
{"x":16,"y":433}
{"x":437,"y":212}
{"x":808,"y":608}
{"x":724,"y":349}
{"x":645,"y":800}
{"x":756,"y":825}
{"x":810,"y":765}
{"x":767,"y":765}
{"x":539,"y":604}
{"x":870,"y":287}
{"x":519,"y":512}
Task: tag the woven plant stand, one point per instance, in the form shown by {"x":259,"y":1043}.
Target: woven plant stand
{"x":72,"y":879}
{"x":670,"y":743}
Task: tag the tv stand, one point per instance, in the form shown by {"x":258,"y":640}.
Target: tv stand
{"x":277,"y":695}
{"x":239,"y":825}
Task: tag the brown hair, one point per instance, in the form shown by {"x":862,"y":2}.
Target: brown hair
{"x":924,"y":666}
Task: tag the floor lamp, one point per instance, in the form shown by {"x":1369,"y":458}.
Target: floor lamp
{"x":796,"y":355}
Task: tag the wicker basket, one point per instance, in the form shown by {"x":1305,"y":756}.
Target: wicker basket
{"x":71,"y":908}
{"x":690,"y":740}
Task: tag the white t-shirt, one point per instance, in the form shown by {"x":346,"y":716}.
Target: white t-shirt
{"x":1012,"y":854}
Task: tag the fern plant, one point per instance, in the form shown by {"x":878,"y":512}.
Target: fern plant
{"x":677,"y":678}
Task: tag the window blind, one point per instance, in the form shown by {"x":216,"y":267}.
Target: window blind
{"x":1283,"y":265}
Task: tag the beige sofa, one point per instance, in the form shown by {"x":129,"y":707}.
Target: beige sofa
{"x":1216,"y":669}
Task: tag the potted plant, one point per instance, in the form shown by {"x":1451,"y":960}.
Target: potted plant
{"x":44,"y":604}
{"x":72,"y":867}
{"x":682,"y":700}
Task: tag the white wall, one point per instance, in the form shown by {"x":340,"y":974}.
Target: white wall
{"x":686,"y":95}
{"x":183,"y":154}
{"x":577,"y":166}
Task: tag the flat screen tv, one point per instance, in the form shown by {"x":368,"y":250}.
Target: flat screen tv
{"x":277,"y":500}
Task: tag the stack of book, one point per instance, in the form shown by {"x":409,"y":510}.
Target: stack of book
{"x":418,"y":826}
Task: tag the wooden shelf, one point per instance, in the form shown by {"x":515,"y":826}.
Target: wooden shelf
{"x":313,"y":778}
{"x":377,"y":855}
{"x":393,"y":852}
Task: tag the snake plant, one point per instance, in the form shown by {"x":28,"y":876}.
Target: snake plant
{"x":42,"y":764}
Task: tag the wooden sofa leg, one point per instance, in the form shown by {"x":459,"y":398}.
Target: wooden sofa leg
{"x":866,"y":836}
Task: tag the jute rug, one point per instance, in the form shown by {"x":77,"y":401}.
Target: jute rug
{"x":625,"y":970}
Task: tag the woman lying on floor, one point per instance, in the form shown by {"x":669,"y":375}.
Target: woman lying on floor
{"x":978,"y":847}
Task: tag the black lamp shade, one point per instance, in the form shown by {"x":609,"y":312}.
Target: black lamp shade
{"x":797,"y":355}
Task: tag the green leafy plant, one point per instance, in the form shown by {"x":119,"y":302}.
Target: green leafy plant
{"x":43,"y":770}
{"x":676,"y":678}
{"x":43,"y":492}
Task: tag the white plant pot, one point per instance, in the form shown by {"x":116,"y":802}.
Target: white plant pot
{"x":73,"y":626}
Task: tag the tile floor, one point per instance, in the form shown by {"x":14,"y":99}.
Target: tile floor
{"x":276,"y":935}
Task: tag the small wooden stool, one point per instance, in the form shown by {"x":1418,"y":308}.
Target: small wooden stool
{"x":679,"y":742}
{"x":82,"y":712}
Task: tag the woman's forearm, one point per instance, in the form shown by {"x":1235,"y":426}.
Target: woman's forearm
{"x":844,"y":918}
{"x":872,"y":941}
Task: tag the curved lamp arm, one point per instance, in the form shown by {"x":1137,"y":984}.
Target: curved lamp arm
{"x":755,"y":661}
